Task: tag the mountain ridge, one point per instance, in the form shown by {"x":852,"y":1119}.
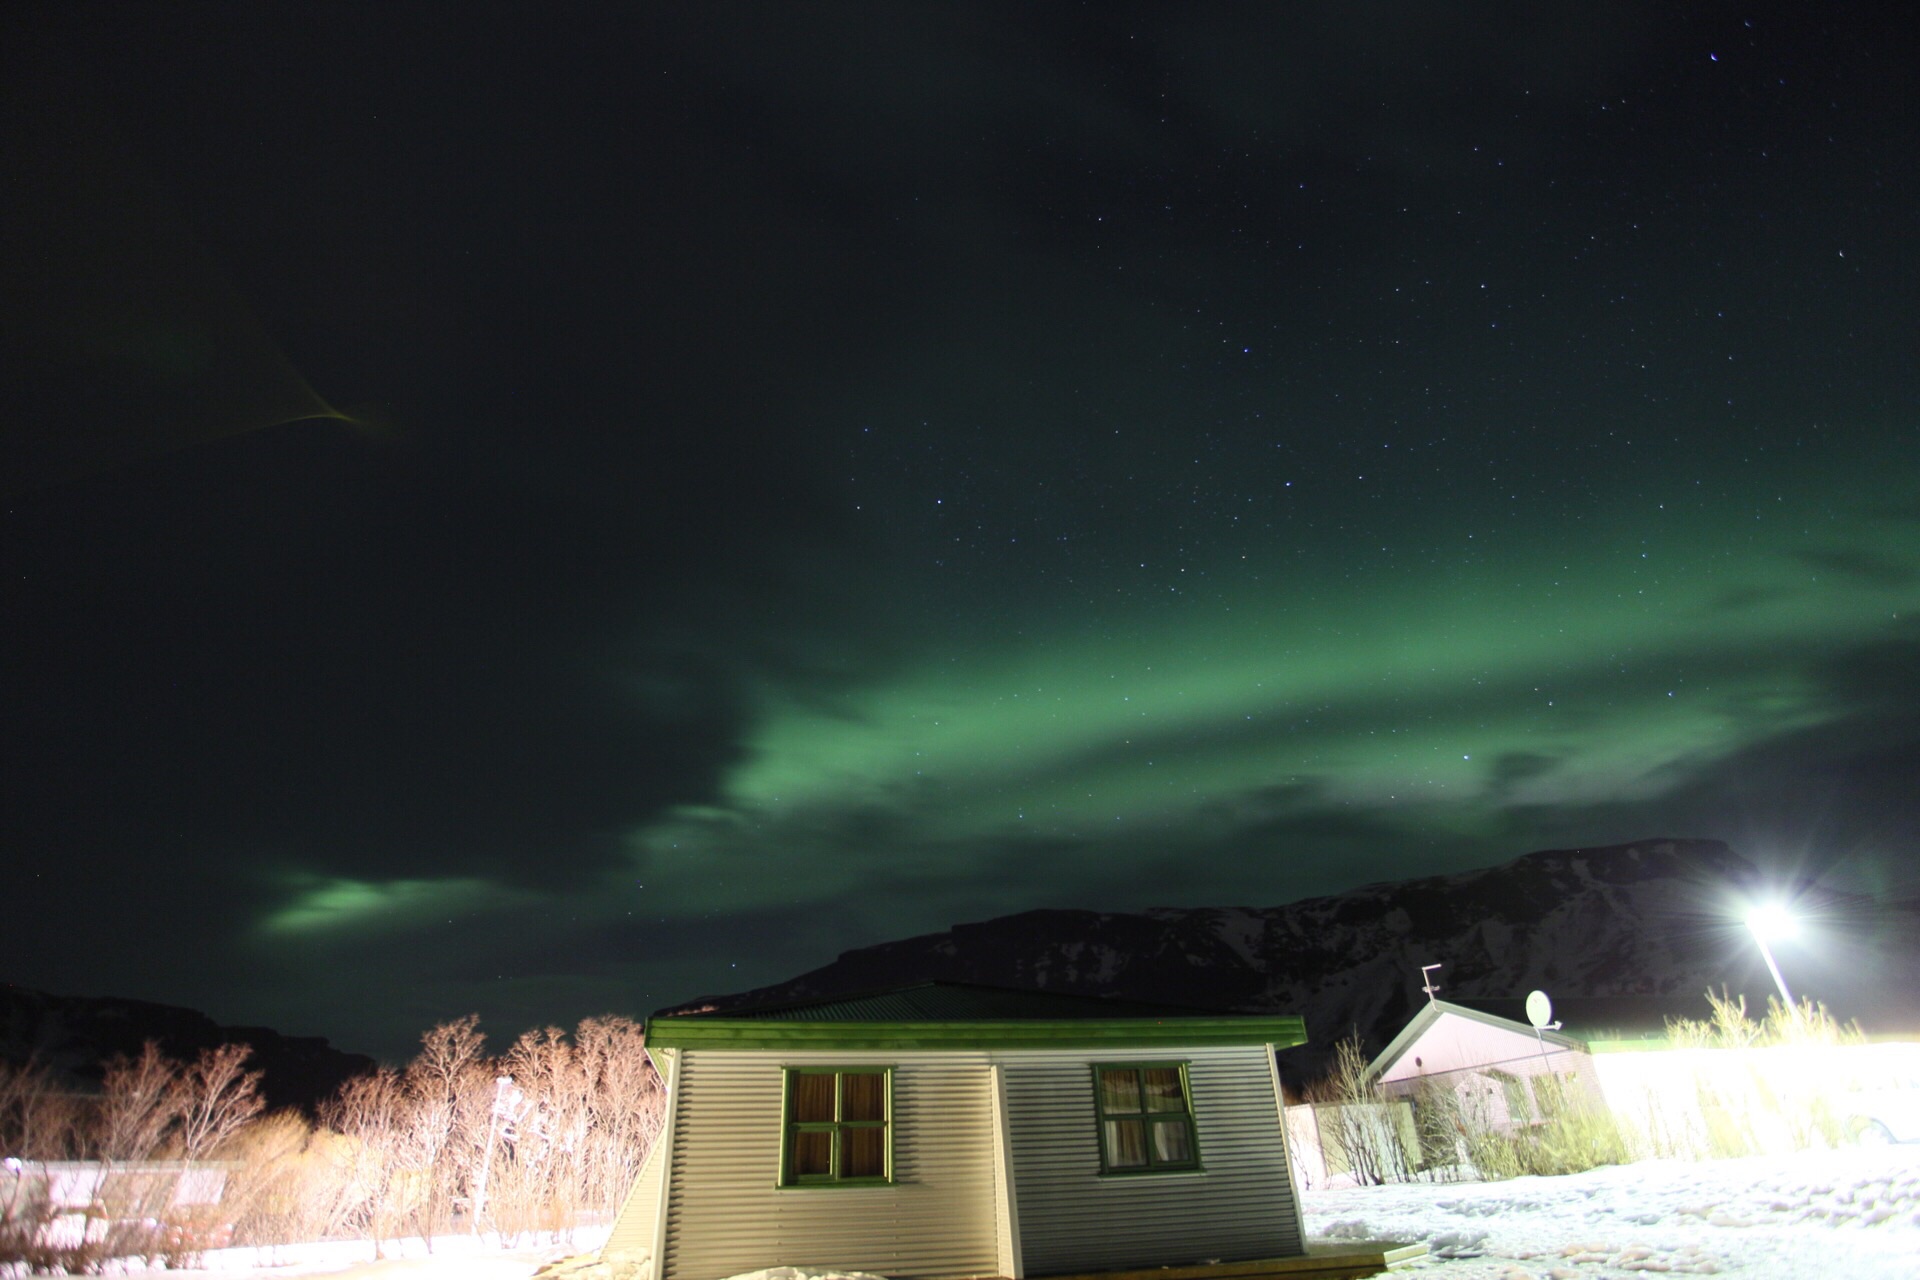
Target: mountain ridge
{"x":1657,"y":919}
{"x":75,"y":1037}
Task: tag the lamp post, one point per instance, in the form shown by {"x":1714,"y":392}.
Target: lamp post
{"x":503,"y":1091}
{"x":1772,"y":921}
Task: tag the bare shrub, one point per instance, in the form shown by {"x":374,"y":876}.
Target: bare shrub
{"x":1742,"y":1101}
{"x":291,"y":1181}
{"x":1363,"y":1133}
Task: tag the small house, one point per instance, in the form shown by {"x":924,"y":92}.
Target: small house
{"x":950,"y":1130}
{"x":1504,"y":1068}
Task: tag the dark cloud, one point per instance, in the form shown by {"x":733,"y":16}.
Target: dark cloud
{"x":1863,"y":566}
{"x":829,"y":474}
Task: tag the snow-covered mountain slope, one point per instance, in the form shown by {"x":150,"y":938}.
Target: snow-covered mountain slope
{"x":1656,"y":918}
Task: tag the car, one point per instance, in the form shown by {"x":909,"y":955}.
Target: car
{"x":1876,"y":1117}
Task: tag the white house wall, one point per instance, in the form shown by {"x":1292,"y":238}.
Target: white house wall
{"x":1006,"y":1214}
{"x":727,"y":1214}
{"x":1072,"y":1219}
{"x":635,"y":1227}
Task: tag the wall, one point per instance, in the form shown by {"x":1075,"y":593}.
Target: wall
{"x":726,"y":1214}
{"x":1240,"y":1206}
{"x":632,"y":1235}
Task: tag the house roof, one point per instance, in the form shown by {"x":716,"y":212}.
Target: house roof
{"x":1433,"y":1011}
{"x":1592,"y":1018}
{"x":950,"y":1002}
{"x":959,"y":1015}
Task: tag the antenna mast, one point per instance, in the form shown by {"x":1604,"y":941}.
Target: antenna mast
{"x":1426,"y":980}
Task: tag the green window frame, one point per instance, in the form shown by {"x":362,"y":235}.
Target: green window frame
{"x":1145,"y":1115}
{"x":836,"y":1127}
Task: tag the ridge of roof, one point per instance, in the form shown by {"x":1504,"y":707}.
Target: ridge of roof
{"x":940,"y":1000}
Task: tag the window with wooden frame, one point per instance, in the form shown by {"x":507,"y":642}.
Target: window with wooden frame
{"x":838,"y":1128}
{"x":1146,"y":1117}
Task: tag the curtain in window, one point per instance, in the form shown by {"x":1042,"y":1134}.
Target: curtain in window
{"x":836,"y":1124}
{"x":1144,"y":1118}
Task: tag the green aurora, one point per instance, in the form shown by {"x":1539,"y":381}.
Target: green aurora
{"x":840,"y":474}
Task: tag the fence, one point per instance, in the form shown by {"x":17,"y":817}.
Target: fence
{"x":1353,"y":1144}
{"x":1632,"y":1104}
{"x":77,"y":1210}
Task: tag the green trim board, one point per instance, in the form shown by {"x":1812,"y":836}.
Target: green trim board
{"x":702,"y":1032}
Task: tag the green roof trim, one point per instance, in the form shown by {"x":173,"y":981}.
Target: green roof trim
{"x":708,"y":1032}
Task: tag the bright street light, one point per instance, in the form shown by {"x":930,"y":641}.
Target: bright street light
{"x":1773,"y":921}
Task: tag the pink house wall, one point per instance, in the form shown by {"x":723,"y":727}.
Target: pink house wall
{"x":1470,"y":1056}
{"x":1454,"y":1043}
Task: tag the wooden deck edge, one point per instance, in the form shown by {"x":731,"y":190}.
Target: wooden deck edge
{"x":1348,"y":1260}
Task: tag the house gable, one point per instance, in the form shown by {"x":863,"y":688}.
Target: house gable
{"x":1445,"y":1037}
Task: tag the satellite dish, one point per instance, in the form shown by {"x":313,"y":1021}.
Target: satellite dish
{"x":1539,"y":1008}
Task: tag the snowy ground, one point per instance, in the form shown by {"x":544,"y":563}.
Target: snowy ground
{"x":1849,"y":1215}
{"x":450,"y":1258}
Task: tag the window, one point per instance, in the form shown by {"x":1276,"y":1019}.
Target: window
{"x":837,"y":1126}
{"x":1519,"y":1106}
{"x":1146,"y":1122}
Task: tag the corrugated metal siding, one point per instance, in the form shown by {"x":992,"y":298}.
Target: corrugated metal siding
{"x":633,"y":1229}
{"x":1006,"y":1217}
{"x":725,"y":1214}
{"x":636,"y":1229}
{"x":1241,"y":1206}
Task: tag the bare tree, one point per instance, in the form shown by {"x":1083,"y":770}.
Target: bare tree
{"x":543,"y":1128}
{"x":138,"y":1104}
{"x":444,"y":1084}
{"x":625,"y":1107}
{"x":39,"y":1120}
{"x":372,"y":1112}
{"x":553,"y":1129}
{"x":1360,"y":1129}
{"x":213,"y":1098}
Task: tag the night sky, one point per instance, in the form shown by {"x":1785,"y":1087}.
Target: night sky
{"x":550,"y":510}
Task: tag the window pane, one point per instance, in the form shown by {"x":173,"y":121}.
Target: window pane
{"x":1519,"y":1108}
{"x":813,"y":1152}
{"x":865,"y":1153}
{"x":1126,"y":1144}
{"x":812,"y":1098}
{"x":1172,"y":1142}
{"x":1120,"y":1090}
{"x":863,"y":1096}
{"x":1163,"y":1089}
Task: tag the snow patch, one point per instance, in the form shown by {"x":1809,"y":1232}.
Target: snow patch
{"x":1853,"y":1213}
